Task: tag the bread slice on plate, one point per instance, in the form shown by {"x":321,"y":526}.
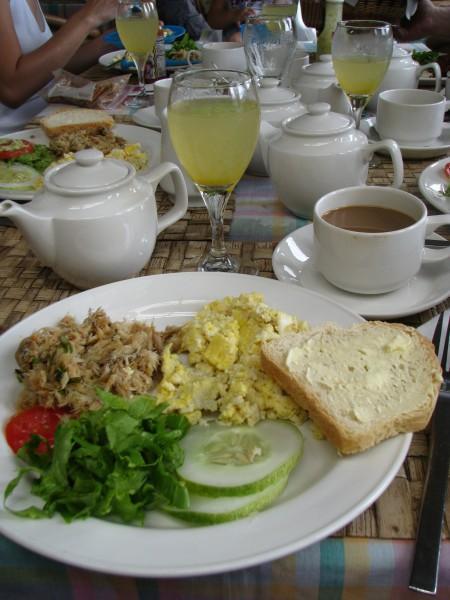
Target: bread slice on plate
{"x":359,"y":385}
{"x":72,"y":120}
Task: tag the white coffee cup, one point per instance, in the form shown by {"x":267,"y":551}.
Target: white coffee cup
{"x":224,"y":55}
{"x":411,"y":115}
{"x":161,"y":91}
{"x":374,"y":263}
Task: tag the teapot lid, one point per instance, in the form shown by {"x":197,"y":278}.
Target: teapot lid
{"x":90,"y":171}
{"x":274,"y":94}
{"x":322,"y":68}
{"x":318,"y":120}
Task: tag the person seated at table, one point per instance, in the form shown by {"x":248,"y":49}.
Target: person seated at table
{"x":187,"y":14}
{"x":30,"y":53}
{"x":431,"y":23}
{"x":226,"y":15}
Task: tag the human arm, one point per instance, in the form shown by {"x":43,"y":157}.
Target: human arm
{"x":428,"y":21}
{"x":21,"y":75}
{"x":221,"y":15}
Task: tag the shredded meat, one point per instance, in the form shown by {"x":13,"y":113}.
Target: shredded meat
{"x":103,"y":139}
{"x":62,"y":365}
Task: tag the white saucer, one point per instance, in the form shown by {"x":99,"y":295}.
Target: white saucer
{"x":432,"y":182}
{"x":293,"y":262}
{"x":437,"y":148}
{"x":147,"y":118}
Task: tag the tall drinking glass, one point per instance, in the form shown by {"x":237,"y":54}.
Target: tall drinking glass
{"x":213,"y":118}
{"x":361,"y":52}
{"x":137,"y":25}
{"x":269,"y":43}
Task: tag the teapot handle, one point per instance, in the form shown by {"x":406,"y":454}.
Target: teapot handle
{"x":396,"y":156}
{"x":181,"y":198}
{"x":437,"y":73}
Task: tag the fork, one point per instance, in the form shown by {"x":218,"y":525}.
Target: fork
{"x":424,"y":572}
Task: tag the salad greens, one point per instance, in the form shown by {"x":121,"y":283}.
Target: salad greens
{"x":39,"y":159}
{"x":119,"y":461}
{"x":185,"y":44}
{"x":424,"y":57}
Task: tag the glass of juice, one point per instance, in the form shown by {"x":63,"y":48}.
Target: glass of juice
{"x":137,"y":25}
{"x":361,"y":52}
{"x":269,"y":43}
{"x":213,"y":118}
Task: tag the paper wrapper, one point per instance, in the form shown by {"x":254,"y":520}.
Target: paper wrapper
{"x":68,"y":88}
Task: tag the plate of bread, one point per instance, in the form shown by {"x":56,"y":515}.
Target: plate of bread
{"x":62,"y":133}
{"x":365,"y":386}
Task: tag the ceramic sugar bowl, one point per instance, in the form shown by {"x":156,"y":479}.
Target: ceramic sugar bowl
{"x":319,"y":152}
{"x":404,"y":73}
{"x":95,"y":221}
{"x":317,"y":82}
{"x":277,"y":104}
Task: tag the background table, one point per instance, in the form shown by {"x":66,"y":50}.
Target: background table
{"x":368,"y":559}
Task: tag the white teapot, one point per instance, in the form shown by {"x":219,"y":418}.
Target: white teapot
{"x":276,"y":104}
{"x":319,"y":152}
{"x":317,"y":82}
{"x":95,"y":221}
{"x":404,"y":73}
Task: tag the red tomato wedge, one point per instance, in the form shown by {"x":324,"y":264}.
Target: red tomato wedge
{"x":38,"y":420}
{"x":447,"y":170}
{"x":10,"y":148}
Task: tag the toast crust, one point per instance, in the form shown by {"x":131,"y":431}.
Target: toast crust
{"x":349,"y":438}
{"x":67,"y":121}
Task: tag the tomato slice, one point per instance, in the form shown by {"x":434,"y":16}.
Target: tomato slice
{"x":447,"y":170}
{"x":38,"y":420}
{"x":10,"y":148}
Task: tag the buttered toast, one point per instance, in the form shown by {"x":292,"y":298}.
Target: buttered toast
{"x":360,"y":385}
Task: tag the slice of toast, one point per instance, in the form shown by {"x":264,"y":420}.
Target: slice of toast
{"x":360,"y":385}
{"x":72,"y":120}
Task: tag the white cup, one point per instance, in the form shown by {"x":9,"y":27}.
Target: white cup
{"x":224,"y":55}
{"x":374,"y":263}
{"x":411,"y":115}
{"x":161,"y":91}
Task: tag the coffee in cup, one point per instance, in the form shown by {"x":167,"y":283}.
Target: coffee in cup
{"x":370,"y":239}
{"x":411,"y":116}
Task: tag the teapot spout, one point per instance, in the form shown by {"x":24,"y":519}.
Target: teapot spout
{"x":267,"y":133}
{"x":36,"y":229}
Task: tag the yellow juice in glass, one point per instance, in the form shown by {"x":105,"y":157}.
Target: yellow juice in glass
{"x":138,"y":35}
{"x":279,"y":10}
{"x":214,"y":138}
{"x":360,"y":76}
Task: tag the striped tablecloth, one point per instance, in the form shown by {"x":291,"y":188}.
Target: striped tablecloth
{"x":335,"y":569}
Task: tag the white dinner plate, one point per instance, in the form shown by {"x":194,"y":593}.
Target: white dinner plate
{"x":324,"y":492}
{"x":433,"y":182}
{"x":410,"y":150}
{"x":150,"y":142}
{"x":147,"y":118}
{"x":293,"y":261}
{"x":106,"y":60}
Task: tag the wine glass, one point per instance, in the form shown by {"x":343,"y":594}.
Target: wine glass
{"x":137,"y":25}
{"x":269,"y":43}
{"x":361,"y":52}
{"x":213,"y":118}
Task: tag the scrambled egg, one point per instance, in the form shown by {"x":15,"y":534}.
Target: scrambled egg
{"x":132,"y":153}
{"x":217,"y":372}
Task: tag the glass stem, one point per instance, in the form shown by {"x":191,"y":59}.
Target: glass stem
{"x":358,"y":104}
{"x":140,"y":62}
{"x":215,"y":203}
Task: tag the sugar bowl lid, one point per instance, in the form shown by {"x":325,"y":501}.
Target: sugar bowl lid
{"x":321,"y":68}
{"x":318,"y":121}
{"x":89,"y":172}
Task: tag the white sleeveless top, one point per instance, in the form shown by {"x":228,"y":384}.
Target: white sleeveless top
{"x":30,"y":37}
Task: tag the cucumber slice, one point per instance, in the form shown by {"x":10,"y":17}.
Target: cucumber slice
{"x":235,"y":461}
{"x":19,"y":177}
{"x":211,"y":511}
